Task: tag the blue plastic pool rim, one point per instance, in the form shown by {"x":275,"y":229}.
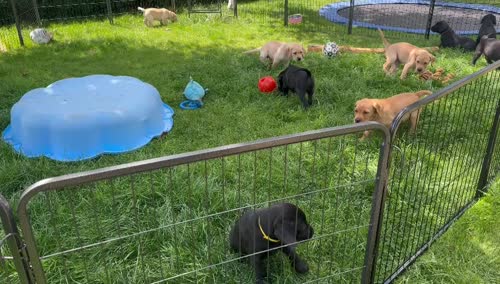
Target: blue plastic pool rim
{"x":167,"y":128}
{"x":330,"y":12}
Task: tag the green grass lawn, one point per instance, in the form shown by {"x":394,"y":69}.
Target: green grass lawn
{"x":468,"y":252}
{"x":209,"y":50}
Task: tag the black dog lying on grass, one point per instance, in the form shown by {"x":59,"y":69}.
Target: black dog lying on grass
{"x":299,"y":81}
{"x":490,"y":47}
{"x":488,"y":23}
{"x":264,"y":229}
{"x":450,"y":39}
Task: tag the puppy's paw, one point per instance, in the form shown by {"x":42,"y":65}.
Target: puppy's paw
{"x":301,"y":267}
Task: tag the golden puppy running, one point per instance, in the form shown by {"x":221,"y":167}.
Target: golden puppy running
{"x":163,"y":15}
{"x":409,"y":55}
{"x":385,"y":110}
{"x":279,"y":52}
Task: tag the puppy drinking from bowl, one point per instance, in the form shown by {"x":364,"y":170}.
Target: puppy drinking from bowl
{"x":277,"y":53}
{"x":155,"y":14}
{"x":258,"y":233}
{"x":386,"y":110}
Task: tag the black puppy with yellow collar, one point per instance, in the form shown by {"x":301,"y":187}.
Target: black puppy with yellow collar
{"x":262,"y":232}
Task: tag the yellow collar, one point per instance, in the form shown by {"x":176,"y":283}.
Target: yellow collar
{"x":266,"y":237}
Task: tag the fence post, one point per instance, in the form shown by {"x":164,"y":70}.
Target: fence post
{"x":236,"y":8}
{"x":376,"y":218}
{"x":286,"y":13}
{"x":351,"y":16}
{"x":110,"y":12}
{"x":485,"y":169}
{"x":18,"y":25}
{"x":37,"y":14}
{"x":429,"y":19}
{"x":14,"y":242}
{"x":172,"y":4}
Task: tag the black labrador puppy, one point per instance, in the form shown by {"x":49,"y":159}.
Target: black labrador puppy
{"x":298,"y":80}
{"x":490,"y":47}
{"x":488,"y":23}
{"x":450,"y":39}
{"x":262,"y":230}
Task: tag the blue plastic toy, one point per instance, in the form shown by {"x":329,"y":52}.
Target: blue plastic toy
{"x":194,"y":92}
{"x":80,"y":118}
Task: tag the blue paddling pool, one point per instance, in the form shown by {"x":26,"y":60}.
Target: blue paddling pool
{"x":80,"y":118}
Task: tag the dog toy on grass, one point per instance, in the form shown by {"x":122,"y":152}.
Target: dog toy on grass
{"x":267,"y":84}
{"x":41,"y":36}
{"x":330,"y":49}
{"x":194,"y":92}
{"x":436,"y":76}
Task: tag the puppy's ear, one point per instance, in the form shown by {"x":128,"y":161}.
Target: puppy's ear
{"x":285,"y":231}
{"x":289,"y":50}
{"x":433,"y":58}
{"x":494,"y":19}
{"x":377,"y":108}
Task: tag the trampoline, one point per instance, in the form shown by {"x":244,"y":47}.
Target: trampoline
{"x":410,"y":16}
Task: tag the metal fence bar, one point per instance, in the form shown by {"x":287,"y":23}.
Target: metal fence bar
{"x":376,"y":218}
{"x":485,"y":170}
{"x":285,"y":9}
{"x":18,"y":24}
{"x":429,"y":19}
{"x":53,"y":184}
{"x":460,"y":198}
{"x":351,"y":16}
{"x":110,"y":12}
{"x":37,"y":13}
{"x":439,"y":94}
{"x":16,"y":246}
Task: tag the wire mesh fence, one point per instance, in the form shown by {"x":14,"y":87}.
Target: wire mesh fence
{"x":435,"y":175}
{"x":168,"y":219}
{"x":14,"y":266}
{"x":7,"y":270}
{"x":171,"y":224}
{"x":406,"y":18}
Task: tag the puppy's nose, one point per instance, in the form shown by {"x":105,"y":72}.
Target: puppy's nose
{"x":357,"y":120}
{"x":299,"y":59}
{"x":419,"y":69}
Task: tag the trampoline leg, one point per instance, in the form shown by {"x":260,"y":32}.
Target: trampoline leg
{"x":429,"y":19}
{"x":351,"y":15}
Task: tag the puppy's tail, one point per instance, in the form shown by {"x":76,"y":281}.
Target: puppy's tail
{"x":251,"y":51}
{"x":384,"y":40}
{"x":423,"y":93}
{"x":141,"y":9}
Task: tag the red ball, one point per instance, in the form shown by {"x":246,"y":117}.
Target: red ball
{"x":267,"y":84}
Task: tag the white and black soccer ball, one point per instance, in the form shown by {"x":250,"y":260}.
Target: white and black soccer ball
{"x":40,"y":36}
{"x":330,"y":49}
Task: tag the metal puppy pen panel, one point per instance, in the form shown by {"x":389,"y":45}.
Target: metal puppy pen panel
{"x":374,"y":209}
{"x":168,"y":219}
{"x":440,"y":173}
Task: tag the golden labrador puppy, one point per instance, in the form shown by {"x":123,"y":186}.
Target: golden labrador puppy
{"x":163,"y":15}
{"x":385,"y":110}
{"x":404,"y":53}
{"x":278,"y":52}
